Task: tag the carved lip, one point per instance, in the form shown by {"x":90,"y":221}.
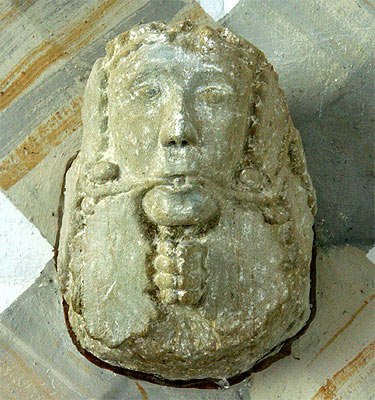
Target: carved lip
{"x":181,"y":182}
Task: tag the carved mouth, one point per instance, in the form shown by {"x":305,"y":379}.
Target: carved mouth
{"x":178,"y":183}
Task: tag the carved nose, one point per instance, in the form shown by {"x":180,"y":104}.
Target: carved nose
{"x":177,"y":129}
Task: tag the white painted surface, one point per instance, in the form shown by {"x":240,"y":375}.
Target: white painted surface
{"x":217,"y":8}
{"x":371,"y":255}
{"x":23,"y":253}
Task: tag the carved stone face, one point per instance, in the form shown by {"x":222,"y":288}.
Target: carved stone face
{"x":175,"y":112}
{"x":178,"y":115}
{"x":187,"y":229}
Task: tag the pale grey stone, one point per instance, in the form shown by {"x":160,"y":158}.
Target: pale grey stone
{"x":186,"y":238}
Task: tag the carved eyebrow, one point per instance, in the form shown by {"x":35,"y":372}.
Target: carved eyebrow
{"x":215,"y":85}
{"x":148,"y":73}
{"x":215,"y":79}
{"x":200,"y":81}
{"x":141,"y":77}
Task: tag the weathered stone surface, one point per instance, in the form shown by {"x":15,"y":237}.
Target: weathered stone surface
{"x":187,"y":230}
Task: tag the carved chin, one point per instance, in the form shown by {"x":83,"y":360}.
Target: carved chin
{"x":174,"y":206}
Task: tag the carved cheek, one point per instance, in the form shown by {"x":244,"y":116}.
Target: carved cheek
{"x":222,"y":146}
{"x":135,"y":143}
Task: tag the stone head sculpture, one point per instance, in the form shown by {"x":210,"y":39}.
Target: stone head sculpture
{"x":187,"y":232}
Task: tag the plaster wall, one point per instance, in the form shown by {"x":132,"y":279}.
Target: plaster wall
{"x":23,"y":253}
{"x":217,"y":8}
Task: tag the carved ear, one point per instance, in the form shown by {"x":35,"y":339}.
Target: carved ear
{"x":95,"y":115}
{"x":103,"y":171}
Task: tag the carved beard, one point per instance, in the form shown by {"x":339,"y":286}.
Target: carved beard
{"x":144,"y":296}
{"x":182,"y":211}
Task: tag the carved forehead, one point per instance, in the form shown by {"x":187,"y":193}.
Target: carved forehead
{"x":203,"y":40}
{"x":155,"y":61}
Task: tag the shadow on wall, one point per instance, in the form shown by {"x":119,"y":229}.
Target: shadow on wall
{"x":338,"y":137}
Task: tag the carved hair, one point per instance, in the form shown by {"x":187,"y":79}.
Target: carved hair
{"x":271,"y":137}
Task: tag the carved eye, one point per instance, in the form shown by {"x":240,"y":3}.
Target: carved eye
{"x":147,"y":91}
{"x":213,"y":94}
